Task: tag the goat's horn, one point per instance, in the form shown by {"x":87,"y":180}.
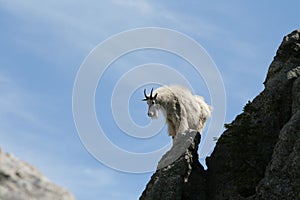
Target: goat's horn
{"x":146,"y":97}
{"x":151,"y":97}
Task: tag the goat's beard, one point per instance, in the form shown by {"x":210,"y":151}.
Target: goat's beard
{"x":154,"y":112}
{"x":155,"y":115}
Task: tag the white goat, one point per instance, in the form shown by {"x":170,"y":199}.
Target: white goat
{"x":182,"y":109}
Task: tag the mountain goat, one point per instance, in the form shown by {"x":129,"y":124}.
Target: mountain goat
{"x":181,"y":109}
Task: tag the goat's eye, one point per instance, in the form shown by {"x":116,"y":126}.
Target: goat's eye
{"x":153,"y":102}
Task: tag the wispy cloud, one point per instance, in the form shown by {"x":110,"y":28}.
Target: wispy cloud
{"x":16,"y":103}
{"x":68,"y":26}
{"x":137,"y":5}
{"x":100,"y":176}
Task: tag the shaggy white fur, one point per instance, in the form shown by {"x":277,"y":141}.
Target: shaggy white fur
{"x":182,"y":110}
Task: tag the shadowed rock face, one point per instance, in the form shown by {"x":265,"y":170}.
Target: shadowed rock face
{"x":258,"y":156}
{"x":180,"y":179}
{"x":262,"y":137}
{"x":21,"y":181}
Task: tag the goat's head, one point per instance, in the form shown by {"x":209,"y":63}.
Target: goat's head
{"x":152,"y":104}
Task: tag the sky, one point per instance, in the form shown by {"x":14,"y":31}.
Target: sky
{"x":44,"y":43}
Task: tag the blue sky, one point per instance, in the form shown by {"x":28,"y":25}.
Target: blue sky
{"x":43,"y":44}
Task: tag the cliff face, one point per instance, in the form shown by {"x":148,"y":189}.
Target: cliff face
{"x":20,"y":181}
{"x":258,"y":156}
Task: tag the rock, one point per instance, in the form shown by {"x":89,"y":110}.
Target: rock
{"x":258,"y":156}
{"x":282,"y":176}
{"x":178,"y":172}
{"x":250,"y":147}
{"x":294,"y":73}
{"x":21,"y":181}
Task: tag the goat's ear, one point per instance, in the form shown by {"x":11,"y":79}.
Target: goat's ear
{"x":155,"y":96}
{"x":144,"y":99}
